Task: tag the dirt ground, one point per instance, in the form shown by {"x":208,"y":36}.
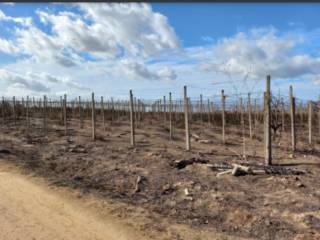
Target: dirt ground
{"x":31,"y":210}
{"x":165,"y":199}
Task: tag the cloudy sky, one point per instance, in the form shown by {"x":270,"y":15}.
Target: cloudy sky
{"x":156,"y":48}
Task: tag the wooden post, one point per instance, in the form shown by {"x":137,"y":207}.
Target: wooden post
{"x":243,"y":130}
{"x":267,"y":122}
{"x":112,"y":111}
{"x":201,"y":109}
{"x":212,"y":108}
{"x":223,"y":98}
{"x":170,"y":115}
{"x":14,"y":110}
{"x":80,"y":113}
{"x":250,"y":115}
{"x":132,"y":120}
{"x":209,"y":111}
{"x":293,"y":119}
{"x":186,"y":118}
{"x":164,"y":110}
{"x":103,"y":115}
{"x":93,"y":118}
{"x":45,"y":115}
{"x":136,"y":112}
{"x":22,"y":105}
{"x":282,"y":115}
{"x":310,"y":121}
{"x":3,"y":112}
{"x":65,"y":115}
{"x":27,"y":114}
{"x":50,"y":108}
{"x":62,"y":109}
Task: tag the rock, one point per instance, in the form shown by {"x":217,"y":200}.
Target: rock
{"x":300,"y":184}
{"x":140,"y":179}
{"x":186,"y":192}
{"x":239,"y":170}
{"x":267,"y":222}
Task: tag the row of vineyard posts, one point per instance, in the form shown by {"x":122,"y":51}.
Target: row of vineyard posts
{"x":134,"y":108}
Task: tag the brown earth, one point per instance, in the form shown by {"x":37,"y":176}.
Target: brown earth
{"x":170,"y":202}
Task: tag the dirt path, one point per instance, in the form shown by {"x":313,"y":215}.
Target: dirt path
{"x":32,"y":210}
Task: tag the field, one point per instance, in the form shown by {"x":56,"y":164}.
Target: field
{"x":166,"y":188}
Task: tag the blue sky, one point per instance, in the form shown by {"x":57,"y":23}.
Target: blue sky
{"x":156,"y":48}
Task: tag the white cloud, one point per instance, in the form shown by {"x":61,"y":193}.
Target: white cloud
{"x":134,"y":26}
{"x":36,"y":83}
{"x":107,"y":32}
{"x":136,"y":70}
{"x":18,"y":81}
{"x":25,"y":21}
{"x":261,"y":52}
{"x":7,"y":47}
{"x":42,"y":47}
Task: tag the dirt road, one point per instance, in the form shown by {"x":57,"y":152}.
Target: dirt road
{"x":31,"y":210}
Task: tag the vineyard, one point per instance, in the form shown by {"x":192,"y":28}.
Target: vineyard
{"x":178,"y":158}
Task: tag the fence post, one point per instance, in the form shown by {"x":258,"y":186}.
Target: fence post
{"x":132,"y":139}
{"x":65,"y":115}
{"x":243,"y":129}
{"x":201,"y":109}
{"x":93,"y":117}
{"x":267,"y":128}
{"x":14,"y":110}
{"x":45,"y":114}
{"x":103,"y":115}
{"x":136,"y":112}
{"x":3,"y":111}
{"x":223,"y":98}
{"x":250,"y":115}
{"x":293,"y":119}
{"x":209,"y":112}
{"x":186,"y":118}
{"x":61,"y":106}
{"x":80,"y":113}
{"x":27,"y":114}
{"x":310,"y":121}
{"x":164,"y":110}
{"x":170,"y":115}
{"x":112,"y":110}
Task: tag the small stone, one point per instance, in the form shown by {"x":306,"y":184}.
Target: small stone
{"x":239,"y":170}
{"x":267,"y":222}
{"x":186,"y":192}
{"x":299,"y":184}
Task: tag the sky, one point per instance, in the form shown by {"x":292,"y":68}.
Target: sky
{"x":156,"y":48}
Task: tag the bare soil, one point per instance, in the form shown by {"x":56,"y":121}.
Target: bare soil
{"x":178,"y":202}
{"x":32,"y":210}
